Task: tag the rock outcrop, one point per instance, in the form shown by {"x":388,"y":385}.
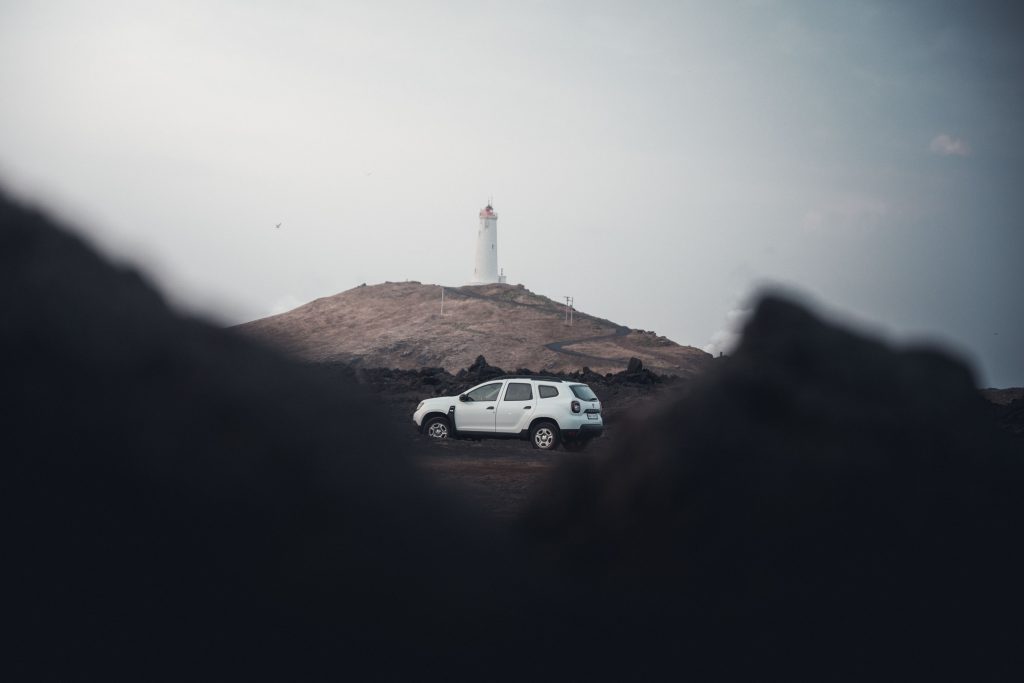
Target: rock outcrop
{"x":184,"y":504}
{"x":818,"y":502}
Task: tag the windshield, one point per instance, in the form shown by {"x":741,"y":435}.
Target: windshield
{"x":583,"y":392}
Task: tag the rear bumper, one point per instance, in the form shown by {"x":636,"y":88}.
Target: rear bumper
{"x":585,"y":431}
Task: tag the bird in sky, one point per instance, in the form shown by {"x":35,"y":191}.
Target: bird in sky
{"x":278,"y":225}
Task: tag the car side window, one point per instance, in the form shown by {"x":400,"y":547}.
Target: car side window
{"x":547,"y":391}
{"x":488,"y":392}
{"x":518,"y":391}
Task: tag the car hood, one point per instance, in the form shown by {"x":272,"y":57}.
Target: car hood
{"x":435,"y":401}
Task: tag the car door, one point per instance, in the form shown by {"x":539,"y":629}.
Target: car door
{"x":478,"y":413}
{"x":515,"y":407}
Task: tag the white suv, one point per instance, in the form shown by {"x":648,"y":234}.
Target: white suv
{"x":547,"y":411}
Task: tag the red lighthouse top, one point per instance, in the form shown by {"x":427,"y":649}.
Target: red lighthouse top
{"x":488,"y":212}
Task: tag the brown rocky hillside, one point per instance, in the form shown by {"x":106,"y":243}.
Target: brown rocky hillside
{"x":400,"y":325}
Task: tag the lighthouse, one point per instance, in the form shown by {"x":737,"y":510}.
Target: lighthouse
{"x":486,"y":270}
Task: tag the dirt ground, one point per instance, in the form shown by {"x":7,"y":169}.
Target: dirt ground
{"x":498,"y":475}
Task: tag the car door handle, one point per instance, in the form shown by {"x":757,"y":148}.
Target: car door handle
{"x":490,"y":407}
{"x":526,"y":407}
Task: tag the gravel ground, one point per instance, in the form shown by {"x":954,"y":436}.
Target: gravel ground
{"x":497,"y":475}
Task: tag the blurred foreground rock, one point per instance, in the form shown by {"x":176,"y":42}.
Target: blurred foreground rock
{"x":819,"y":502}
{"x":183,"y":504}
{"x":186,"y":505}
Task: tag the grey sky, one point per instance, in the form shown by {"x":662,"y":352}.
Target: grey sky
{"x":677,"y":155}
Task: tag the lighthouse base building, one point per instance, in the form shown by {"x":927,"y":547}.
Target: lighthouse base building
{"x":486,"y":270}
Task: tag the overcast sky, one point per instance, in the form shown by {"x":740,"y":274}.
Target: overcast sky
{"x":658,"y":161}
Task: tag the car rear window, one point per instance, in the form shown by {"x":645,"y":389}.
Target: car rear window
{"x":547,"y":391}
{"x":583,"y":392}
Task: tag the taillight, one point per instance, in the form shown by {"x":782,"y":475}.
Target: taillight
{"x":575,"y":406}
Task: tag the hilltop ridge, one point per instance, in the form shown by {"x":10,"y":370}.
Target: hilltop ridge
{"x":400,"y":325}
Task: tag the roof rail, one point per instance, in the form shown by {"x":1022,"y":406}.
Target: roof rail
{"x":542,"y":378}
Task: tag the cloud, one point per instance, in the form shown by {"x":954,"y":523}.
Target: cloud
{"x":947,"y":145}
{"x":846,"y":211}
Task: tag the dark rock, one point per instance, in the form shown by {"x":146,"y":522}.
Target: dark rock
{"x":183,"y":504}
{"x":1010,"y":416}
{"x":817,"y":489}
{"x":481,"y":370}
{"x":634,"y":366}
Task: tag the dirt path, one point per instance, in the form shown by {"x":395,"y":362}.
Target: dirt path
{"x":559,"y":346}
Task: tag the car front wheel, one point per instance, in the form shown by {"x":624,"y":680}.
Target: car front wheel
{"x":544,"y":436}
{"x":436,"y":428}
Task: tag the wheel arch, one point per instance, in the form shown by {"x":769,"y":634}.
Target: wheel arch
{"x":433,"y":413}
{"x":542,"y":418}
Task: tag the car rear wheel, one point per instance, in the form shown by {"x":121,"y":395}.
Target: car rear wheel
{"x":436,"y":428}
{"x":544,"y":436}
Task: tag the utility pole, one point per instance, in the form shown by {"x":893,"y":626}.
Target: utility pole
{"x":568,"y":309}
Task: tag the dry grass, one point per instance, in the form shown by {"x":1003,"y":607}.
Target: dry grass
{"x":399,"y":325}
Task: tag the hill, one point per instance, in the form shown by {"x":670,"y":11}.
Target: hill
{"x":400,"y":325}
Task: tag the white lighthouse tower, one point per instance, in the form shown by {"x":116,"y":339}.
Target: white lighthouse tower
{"x":486,"y":270}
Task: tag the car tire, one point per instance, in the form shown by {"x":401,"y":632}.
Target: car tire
{"x":544,"y":436}
{"x":437,"y":428}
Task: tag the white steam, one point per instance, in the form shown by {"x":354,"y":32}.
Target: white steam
{"x":725,"y":339}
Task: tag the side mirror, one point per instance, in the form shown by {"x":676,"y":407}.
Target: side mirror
{"x":464,"y":398}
